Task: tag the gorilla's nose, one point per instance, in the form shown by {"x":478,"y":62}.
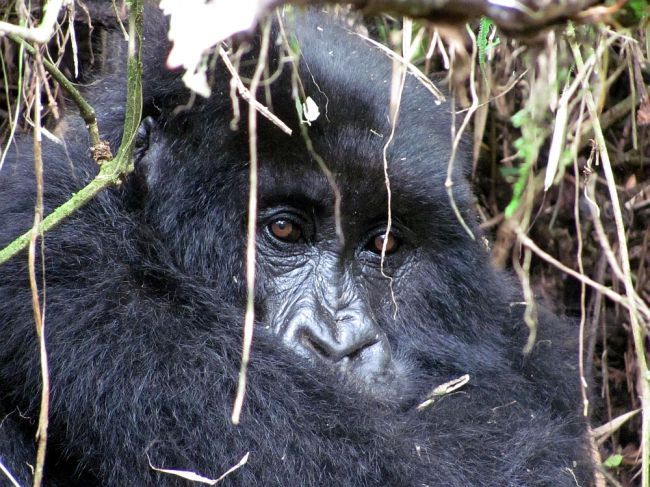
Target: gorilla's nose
{"x":354,"y":345}
{"x":368,"y":362}
{"x":328,"y":348}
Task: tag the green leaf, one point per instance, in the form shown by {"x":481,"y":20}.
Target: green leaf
{"x":482,"y":40}
{"x":639,"y":8}
{"x":613,"y":461}
{"x":518,"y":118}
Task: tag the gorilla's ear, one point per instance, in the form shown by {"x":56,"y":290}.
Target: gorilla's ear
{"x":142,"y":138}
{"x":145,"y":153}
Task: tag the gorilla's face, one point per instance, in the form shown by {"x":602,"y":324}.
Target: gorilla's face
{"x":338,"y":268}
{"x":318,"y":268}
{"x":338,"y":276}
{"x":352,"y":231}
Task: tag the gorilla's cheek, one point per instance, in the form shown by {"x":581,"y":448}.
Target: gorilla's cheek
{"x":317,"y":311}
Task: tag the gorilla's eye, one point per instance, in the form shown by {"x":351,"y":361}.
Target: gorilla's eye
{"x":377,"y":243}
{"x":286,"y":231}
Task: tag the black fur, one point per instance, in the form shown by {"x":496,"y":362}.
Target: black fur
{"x":145,"y":302}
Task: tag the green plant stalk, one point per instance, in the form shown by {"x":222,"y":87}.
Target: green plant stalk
{"x":518,"y":189}
{"x":85,"y":109}
{"x":111,"y":172}
{"x":482,"y":43}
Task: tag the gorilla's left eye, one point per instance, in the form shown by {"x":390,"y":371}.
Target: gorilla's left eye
{"x":285,"y":231}
{"x":376,"y":244}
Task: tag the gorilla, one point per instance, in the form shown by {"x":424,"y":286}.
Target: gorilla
{"x":352,"y":354}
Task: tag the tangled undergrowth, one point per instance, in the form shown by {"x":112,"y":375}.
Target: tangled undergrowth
{"x":565,"y":160}
{"x":561,"y":127}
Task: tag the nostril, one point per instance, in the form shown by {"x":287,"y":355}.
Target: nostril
{"x":356,"y":352}
{"x":334,"y":351}
{"x":318,"y":348}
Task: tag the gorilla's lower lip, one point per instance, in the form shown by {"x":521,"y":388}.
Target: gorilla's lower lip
{"x":388,"y":384}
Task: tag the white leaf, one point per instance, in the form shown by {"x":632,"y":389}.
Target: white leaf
{"x":196,"y":25}
{"x":557,"y":143}
{"x":310,"y":110}
{"x":195,"y":477}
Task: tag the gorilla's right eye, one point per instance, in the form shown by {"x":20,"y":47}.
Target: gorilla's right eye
{"x":376,"y":245}
{"x":286,"y":231}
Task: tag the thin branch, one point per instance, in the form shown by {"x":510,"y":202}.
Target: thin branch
{"x":398,"y":82}
{"x":100,"y":149}
{"x":41,"y":34}
{"x":457,"y":136}
{"x":19,"y":97}
{"x":579,"y":252}
{"x":249,"y":318}
{"x":111,"y":172}
{"x":39,"y":312}
{"x":298,"y":94}
{"x":12,"y":479}
{"x":245,"y":93}
{"x":604,"y":290}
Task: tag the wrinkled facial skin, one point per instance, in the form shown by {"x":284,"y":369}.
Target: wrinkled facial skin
{"x":317,"y":299}
{"x":325,"y":289}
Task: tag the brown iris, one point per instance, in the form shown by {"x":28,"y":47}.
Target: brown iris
{"x":377,"y":244}
{"x":286,"y":231}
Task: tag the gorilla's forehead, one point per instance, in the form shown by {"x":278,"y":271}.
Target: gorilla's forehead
{"x":351,"y":81}
{"x":353,"y":155}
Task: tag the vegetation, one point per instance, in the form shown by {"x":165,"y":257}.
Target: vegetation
{"x":560,"y":121}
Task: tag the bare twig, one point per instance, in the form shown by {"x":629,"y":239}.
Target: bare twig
{"x":44,"y":31}
{"x":8,"y":474}
{"x":614,"y":296}
{"x":249,"y":318}
{"x":396,"y":90}
{"x":39,"y":312}
{"x":87,"y":112}
{"x":457,"y":136}
{"x":245,"y":93}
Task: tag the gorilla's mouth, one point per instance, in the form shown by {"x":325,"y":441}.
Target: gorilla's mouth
{"x":370,"y":369}
{"x":389,"y":384}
